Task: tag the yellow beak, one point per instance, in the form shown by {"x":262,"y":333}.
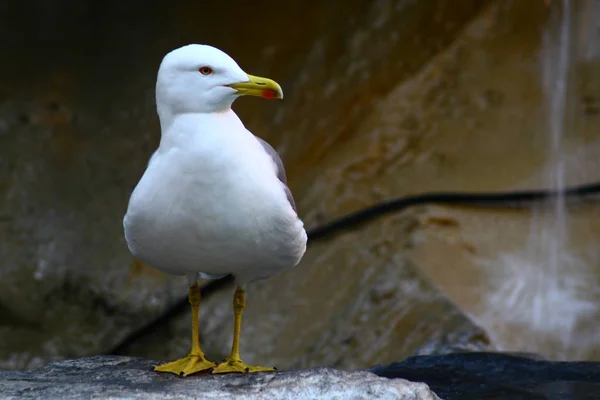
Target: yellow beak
{"x":257,"y":86}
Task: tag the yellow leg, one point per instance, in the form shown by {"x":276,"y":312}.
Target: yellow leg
{"x":233,"y":363}
{"x":195,"y":361}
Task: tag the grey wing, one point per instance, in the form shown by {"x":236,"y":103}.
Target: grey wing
{"x":280,"y":169}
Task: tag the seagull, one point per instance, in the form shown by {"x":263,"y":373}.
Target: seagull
{"x":213,"y":199}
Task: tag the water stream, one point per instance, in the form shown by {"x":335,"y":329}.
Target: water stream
{"x":555,"y":294}
{"x":557,"y":67}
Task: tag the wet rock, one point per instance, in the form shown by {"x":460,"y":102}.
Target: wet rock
{"x":524,"y":274}
{"x":492,"y":376}
{"x":104,"y":377}
{"x":475,"y":118}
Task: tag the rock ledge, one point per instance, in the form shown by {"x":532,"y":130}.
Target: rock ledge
{"x":114,"y":377}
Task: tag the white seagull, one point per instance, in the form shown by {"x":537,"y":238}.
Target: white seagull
{"x":213,"y":199}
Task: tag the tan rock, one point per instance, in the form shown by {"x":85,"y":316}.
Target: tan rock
{"x":383,"y":99}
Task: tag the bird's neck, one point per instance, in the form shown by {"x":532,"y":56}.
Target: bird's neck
{"x":167,"y":117}
{"x":182,"y":126}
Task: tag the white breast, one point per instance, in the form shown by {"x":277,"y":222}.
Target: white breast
{"x":210,"y":202}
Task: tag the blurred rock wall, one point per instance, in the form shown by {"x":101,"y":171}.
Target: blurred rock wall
{"x":383,"y":99}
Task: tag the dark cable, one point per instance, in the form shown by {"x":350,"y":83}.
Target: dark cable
{"x":516,"y":198}
{"x":352,"y":220}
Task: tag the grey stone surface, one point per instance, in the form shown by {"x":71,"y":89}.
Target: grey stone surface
{"x":113,"y":377}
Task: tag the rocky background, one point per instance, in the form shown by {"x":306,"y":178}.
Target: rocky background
{"x":382,"y":99}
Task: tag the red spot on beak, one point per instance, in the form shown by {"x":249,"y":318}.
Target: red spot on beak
{"x":269,"y":94}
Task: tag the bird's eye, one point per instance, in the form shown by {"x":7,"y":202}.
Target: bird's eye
{"x":205,"y":70}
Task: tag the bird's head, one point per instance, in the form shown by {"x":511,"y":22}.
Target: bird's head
{"x":202,"y":79}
